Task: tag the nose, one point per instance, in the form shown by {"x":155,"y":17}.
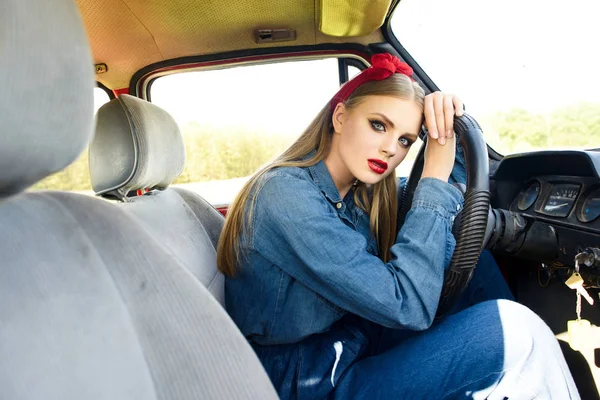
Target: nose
{"x":389,"y":146}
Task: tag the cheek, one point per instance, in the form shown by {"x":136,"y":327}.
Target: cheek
{"x":398,"y":158}
{"x":355,"y":139}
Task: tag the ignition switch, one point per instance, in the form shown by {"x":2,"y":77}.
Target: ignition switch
{"x":590,"y":257}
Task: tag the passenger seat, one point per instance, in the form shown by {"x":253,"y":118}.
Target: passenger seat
{"x":92,"y":305}
{"x":136,"y":153}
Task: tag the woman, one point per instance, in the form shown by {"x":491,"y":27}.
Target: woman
{"x":335,"y":303}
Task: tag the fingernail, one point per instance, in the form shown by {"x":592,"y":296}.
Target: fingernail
{"x":449,"y":133}
{"x":442,"y":140}
{"x":434,"y":134}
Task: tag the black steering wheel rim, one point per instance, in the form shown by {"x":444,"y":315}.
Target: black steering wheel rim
{"x":470,"y":229}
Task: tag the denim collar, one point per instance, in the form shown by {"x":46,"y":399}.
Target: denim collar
{"x":321,"y":176}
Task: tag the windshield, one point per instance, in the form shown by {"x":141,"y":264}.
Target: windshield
{"x":526,"y":69}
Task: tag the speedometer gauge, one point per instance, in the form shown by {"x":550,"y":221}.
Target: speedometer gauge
{"x":529,"y":195}
{"x":560,"y":200}
{"x":590,"y":209}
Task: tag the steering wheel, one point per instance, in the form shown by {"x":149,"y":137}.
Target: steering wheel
{"x":471,"y":226}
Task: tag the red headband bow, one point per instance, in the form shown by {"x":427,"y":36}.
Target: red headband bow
{"x":382,"y":66}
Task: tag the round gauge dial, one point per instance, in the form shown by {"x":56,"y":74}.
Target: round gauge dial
{"x":529,"y":195}
{"x":560,"y":200}
{"x":590,"y":208}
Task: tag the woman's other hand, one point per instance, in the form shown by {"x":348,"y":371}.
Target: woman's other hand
{"x":439,"y":110}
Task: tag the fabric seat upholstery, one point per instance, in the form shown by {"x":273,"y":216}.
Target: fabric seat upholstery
{"x":138,"y":146}
{"x":91,"y":305}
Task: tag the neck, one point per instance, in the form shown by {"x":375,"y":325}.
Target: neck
{"x":342,"y":177}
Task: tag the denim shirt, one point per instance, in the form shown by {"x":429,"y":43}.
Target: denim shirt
{"x":311,"y":277}
{"x":311,"y":258}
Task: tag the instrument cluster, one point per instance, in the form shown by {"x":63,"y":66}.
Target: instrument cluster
{"x":567,"y":198}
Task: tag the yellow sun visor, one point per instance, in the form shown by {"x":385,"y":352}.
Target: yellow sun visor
{"x":352,"y":17}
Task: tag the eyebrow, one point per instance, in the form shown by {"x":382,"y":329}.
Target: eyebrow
{"x":385,"y":119}
{"x":412,"y":135}
{"x":391,"y":124}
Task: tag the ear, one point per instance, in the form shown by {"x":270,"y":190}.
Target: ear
{"x":337,"y":118}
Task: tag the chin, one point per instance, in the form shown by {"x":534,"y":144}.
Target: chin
{"x":371,"y":178}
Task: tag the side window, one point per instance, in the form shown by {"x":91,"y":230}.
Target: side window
{"x":100,"y":98}
{"x":76,"y":177}
{"x":523,"y":67}
{"x":237,"y":119}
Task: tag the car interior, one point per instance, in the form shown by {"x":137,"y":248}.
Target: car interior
{"x":114,"y":292}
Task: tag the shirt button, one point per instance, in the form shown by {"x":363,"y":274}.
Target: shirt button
{"x":458,"y":207}
{"x":338,"y":205}
{"x":452,"y":219}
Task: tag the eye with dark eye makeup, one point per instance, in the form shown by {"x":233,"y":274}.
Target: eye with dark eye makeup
{"x":377,"y":125}
{"x":405,"y":142}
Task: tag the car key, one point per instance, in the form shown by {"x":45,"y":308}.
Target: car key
{"x":578,"y":330}
{"x":575,"y":281}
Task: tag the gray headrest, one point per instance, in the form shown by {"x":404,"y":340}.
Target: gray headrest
{"x":137,"y":146}
{"x":46,"y":90}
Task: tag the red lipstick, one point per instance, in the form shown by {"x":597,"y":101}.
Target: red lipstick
{"x":377,"y":166}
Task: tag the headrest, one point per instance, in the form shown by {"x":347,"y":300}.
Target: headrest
{"x":46,"y":90}
{"x":137,"y":146}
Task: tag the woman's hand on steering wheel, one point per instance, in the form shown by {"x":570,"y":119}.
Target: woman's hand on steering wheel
{"x":439,"y":110}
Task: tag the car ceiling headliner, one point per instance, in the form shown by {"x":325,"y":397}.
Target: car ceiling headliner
{"x":128,"y":35}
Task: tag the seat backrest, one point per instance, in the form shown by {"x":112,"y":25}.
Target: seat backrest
{"x":138,"y":148}
{"x":91,"y":305}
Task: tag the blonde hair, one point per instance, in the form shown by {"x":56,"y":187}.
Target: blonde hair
{"x":381,"y":205}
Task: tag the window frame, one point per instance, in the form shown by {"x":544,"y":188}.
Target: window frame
{"x":142,"y":81}
{"x":340,"y":66}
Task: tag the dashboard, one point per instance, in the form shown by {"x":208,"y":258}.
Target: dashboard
{"x":556,"y":190}
{"x":562,"y":187}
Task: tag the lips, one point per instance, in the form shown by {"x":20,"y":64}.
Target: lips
{"x":377,"y":166}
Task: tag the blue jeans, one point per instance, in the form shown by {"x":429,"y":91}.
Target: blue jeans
{"x":488,"y":349}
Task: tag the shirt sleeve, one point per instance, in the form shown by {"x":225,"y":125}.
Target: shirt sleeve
{"x":296,"y":229}
{"x":459,"y":171}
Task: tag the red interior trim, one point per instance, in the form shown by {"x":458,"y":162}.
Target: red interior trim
{"x":222,"y":210}
{"x":118,"y":92}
